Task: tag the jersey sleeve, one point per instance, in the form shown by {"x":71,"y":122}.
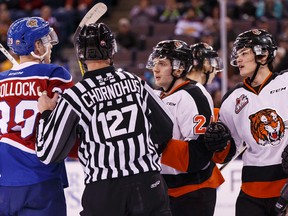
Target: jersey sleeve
{"x":59,"y":80}
{"x":226,"y":154}
{"x":57,"y":134}
{"x":190,"y":156}
{"x":160,"y":119}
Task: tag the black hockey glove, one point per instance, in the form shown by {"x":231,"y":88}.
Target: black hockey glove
{"x":285,"y":159}
{"x":216,"y":136}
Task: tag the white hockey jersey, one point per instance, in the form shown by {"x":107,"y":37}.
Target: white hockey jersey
{"x":258,"y":119}
{"x":192,"y":108}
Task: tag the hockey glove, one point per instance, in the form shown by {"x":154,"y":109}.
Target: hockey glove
{"x":216,"y":136}
{"x":285,"y":159}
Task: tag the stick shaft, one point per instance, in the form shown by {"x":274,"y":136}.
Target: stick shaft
{"x":94,"y":14}
{"x":8,"y":55}
{"x":235,"y":157}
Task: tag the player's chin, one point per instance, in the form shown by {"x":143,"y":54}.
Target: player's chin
{"x":47,"y":61}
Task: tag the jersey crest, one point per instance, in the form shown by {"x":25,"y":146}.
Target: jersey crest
{"x":241,"y":102}
{"x":267,"y":127}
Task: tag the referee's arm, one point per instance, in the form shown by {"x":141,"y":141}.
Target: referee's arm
{"x":160,"y":119}
{"x":56,"y":133}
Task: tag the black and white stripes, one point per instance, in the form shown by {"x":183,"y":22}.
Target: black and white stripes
{"x":115,"y":112}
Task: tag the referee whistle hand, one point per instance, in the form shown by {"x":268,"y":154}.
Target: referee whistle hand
{"x":47,"y":103}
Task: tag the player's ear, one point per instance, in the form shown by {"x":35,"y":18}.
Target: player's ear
{"x":38,"y":45}
{"x":177,"y":73}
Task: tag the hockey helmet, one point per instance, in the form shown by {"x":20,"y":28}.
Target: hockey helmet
{"x":24,"y":32}
{"x":258,"y":40}
{"x":96,"y":42}
{"x":200,"y":52}
{"x":177,"y":51}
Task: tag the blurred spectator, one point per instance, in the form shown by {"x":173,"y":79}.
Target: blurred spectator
{"x":231,"y":36}
{"x":272,"y":9}
{"x":243,"y":10}
{"x":210,"y":38}
{"x":28,"y":6}
{"x":271,"y":26}
{"x":7,"y":64}
{"x":217,"y":97}
{"x":196,"y":4}
{"x":211,"y":25}
{"x":125,"y":37}
{"x":5,"y":21}
{"x":234,"y":80}
{"x":80,"y":5}
{"x":54,"y":4}
{"x":231,"y":33}
{"x":46,"y":14}
{"x":208,"y":7}
{"x":170,"y":12}
{"x":143,"y":13}
{"x":189,"y":24}
{"x":281,"y":59}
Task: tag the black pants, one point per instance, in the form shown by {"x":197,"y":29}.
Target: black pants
{"x":247,"y":205}
{"x":197,"y":203}
{"x":138,"y":195}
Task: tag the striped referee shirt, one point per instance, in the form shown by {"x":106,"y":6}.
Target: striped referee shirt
{"x":122,"y":125}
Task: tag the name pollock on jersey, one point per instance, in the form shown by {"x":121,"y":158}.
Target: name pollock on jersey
{"x":18,"y":89}
{"x":109,"y":92}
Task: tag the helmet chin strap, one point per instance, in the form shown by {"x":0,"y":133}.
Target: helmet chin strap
{"x":207,"y":75}
{"x":41,"y":58}
{"x":250,"y":80}
{"x":171,"y":84}
{"x":173,"y":81}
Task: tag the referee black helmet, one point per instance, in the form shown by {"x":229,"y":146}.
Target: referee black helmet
{"x":96,"y":42}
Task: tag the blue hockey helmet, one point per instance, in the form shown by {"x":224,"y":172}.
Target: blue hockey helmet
{"x":24,"y":32}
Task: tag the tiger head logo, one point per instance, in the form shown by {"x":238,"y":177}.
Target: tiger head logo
{"x":267,"y":127}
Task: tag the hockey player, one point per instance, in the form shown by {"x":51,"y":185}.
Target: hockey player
{"x":255,"y":112}
{"x":122,"y":127}
{"x":205,"y":63}
{"x":27,"y":186}
{"x":187,"y":167}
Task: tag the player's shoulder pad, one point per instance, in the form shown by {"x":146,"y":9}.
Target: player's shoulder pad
{"x":230,"y":91}
{"x":279,"y":73}
{"x":55,"y":71}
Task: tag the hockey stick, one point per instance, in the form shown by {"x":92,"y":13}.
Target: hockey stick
{"x":8,"y":55}
{"x":94,"y":14}
{"x":238,"y":153}
{"x":243,"y":148}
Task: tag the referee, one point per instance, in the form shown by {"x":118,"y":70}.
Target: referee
{"x":122,"y":127}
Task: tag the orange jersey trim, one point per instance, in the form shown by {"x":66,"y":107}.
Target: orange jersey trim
{"x":215,"y":180}
{"x":176,"y":155}
{"x":216,"y":114}
{"x":219,"y":157}
{"x":263,"y":189}
{"x":164,"y":94}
